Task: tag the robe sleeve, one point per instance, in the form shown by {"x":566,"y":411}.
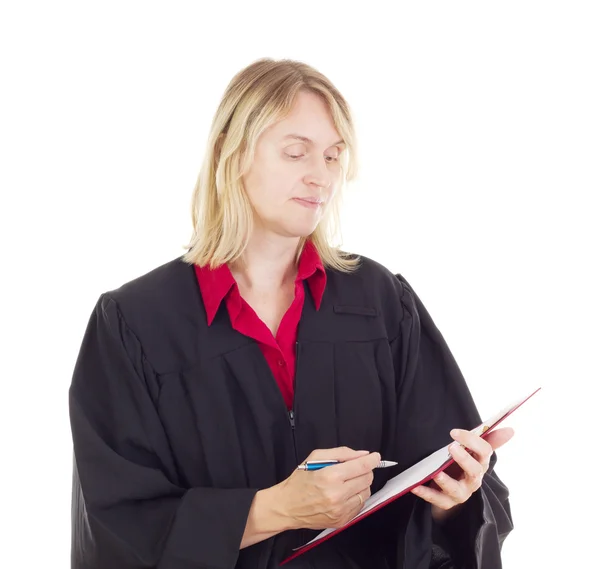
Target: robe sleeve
{"x":433,"y":398}
{"x":128,"y":511}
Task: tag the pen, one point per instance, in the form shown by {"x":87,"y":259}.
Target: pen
{"x":318,"y":464}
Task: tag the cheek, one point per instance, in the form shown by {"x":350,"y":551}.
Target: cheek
{"x":269,"y":188}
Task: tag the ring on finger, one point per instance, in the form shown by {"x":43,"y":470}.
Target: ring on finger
{"x":360,"y":498}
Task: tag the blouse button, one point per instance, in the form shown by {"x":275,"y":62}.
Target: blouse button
{"x":281,"y":363}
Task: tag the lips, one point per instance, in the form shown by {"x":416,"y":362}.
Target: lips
{"x":315,"y":201}
{"x":310,"y":203}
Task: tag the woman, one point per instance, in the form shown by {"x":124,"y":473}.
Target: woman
{"x":201,"y":385}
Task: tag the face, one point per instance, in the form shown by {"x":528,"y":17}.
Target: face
{"x":291,"y":180}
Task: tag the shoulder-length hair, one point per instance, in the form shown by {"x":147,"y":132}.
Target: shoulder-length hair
{"x":258,"y":96}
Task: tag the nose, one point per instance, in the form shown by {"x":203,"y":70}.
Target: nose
{"x":318,"y":174}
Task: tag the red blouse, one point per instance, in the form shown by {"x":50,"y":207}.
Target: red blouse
{"x":279,"y":351}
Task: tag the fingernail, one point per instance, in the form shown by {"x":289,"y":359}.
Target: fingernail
{"x":454,"y":432}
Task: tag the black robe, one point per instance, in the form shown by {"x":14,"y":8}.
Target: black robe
{"x":176,"y":426}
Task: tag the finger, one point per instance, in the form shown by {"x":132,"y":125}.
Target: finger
{"x":356,"y":467}
{"x":355,"y":503}
{"x":357,"y":485}
{"x":338,"y":453}
{"x":434,"y":497}
{"x":473,"y":468}
{"x":459,"y":492}
{"x":473,"y":442}
{"x":499,"y":437}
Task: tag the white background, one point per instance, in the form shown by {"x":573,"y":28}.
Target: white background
{"x":479,"y":134}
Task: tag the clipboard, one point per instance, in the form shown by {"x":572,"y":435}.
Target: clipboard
{"x":414,"y":476}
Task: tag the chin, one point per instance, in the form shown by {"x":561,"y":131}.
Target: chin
{"x":297,"y":229}
{"x":302,"y":233}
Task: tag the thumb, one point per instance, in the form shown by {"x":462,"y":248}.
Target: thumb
{"x":338,"y":453}
{"x":499,"y":437}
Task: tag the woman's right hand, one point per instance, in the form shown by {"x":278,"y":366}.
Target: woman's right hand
{"x":328,"y":498}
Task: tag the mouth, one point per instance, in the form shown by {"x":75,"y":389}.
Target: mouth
{"x":311,"y":203}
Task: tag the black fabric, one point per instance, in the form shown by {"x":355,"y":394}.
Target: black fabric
{"x":176,"y":426}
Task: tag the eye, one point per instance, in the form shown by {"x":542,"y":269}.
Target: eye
{"x":331,"y":158}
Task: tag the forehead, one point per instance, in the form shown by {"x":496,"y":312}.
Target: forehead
{"x":308,"y":121}
{"x":301,"y":138}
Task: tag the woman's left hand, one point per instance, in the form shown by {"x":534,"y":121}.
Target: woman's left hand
{"x":457,"y":483}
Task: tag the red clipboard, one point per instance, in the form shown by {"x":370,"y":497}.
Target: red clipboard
{"x":414,"y":476}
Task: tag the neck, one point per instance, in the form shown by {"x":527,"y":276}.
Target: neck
{"x":267,"y":265}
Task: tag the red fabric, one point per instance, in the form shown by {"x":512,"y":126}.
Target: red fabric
{"x":280,"y":353}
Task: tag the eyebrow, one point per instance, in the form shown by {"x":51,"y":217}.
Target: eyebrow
{"x":308,"y":140}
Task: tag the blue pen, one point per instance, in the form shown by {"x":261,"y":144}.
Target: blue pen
{"x":318,"y":464}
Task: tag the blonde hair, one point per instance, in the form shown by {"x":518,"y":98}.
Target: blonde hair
{"x":258,"y":96}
